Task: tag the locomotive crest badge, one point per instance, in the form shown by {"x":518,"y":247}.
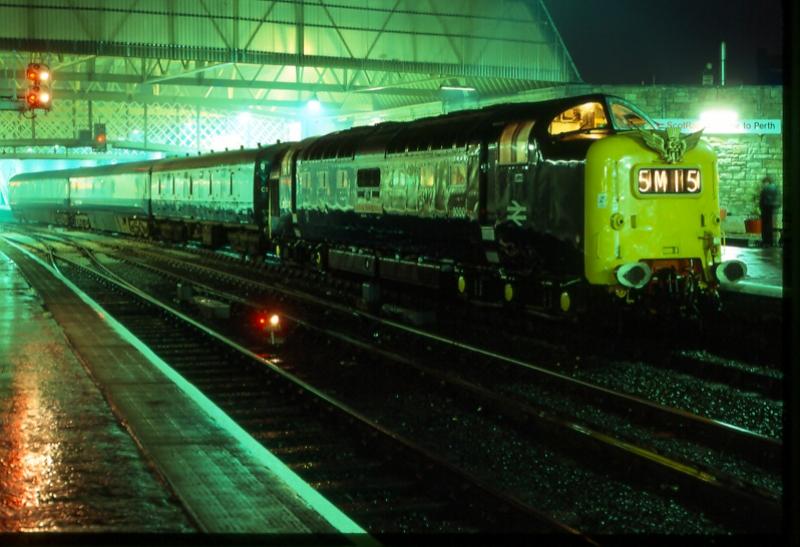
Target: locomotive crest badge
{"x":669,"y":143}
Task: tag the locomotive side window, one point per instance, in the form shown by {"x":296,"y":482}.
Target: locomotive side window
{"x":230,"y":184}
{"x":579,"y":118}
{"x":514,"y":141}
{"x":368,"y":178}
{"x":458,"y":174}
{"x":426,"y":175}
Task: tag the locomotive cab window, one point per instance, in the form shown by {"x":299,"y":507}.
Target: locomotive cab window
{"x":625,"y":118}
{"x":585,"y":117}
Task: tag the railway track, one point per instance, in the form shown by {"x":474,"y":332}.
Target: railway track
{"x":384,"y":481}
{"x":700,"y":483}
{"x":513,"y":349}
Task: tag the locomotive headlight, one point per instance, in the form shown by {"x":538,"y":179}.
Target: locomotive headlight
{"x":634,"y":275}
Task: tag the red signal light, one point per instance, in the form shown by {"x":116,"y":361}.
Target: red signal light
{"x":268,"y":321}
{"x":38,"y":94}
{"x":100,"y":137}
{"x":37,"y":98}
{"x":33,"y":72}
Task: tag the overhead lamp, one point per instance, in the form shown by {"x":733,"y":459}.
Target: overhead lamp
{"x":456,"y":88}
{"x":313,"y":105}
{"x":454,"y":85}
{"x":720,"y":121}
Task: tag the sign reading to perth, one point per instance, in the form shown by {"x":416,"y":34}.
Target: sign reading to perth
{"x":763,"y":126}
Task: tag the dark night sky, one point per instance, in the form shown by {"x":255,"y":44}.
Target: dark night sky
{"x":630,"y":41}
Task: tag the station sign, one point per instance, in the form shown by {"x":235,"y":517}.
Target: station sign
{"x":756,"y":126}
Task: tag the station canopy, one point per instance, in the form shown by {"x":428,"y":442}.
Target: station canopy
{"x":195,"y":75}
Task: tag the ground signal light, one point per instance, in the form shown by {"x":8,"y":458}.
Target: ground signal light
{"x":100,"y":140}
{"x":270,"y":323}
{"x":38,"y":94}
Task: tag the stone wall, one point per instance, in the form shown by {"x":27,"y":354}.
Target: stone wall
{"x":744,"y":159}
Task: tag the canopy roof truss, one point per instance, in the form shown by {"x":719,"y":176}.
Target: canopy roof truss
{"x":356,"y":57}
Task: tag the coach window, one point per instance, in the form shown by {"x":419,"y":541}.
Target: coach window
{"x":397,"y":178}
{"x":342,"y":182}
{"x":584,"y":117}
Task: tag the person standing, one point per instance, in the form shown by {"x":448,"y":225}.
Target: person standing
{"x":768,"y":203}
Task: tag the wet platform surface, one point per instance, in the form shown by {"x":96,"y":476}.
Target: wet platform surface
{"x":66,"y":464}
{"x":764,"y":270}
{"x":224,"y":482}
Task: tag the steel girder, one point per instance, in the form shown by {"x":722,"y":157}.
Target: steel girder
{"x":357,"y":57}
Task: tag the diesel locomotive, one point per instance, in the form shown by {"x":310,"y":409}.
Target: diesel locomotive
{"x":544,"y":202}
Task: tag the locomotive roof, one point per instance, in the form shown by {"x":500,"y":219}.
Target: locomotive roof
{"x":454,"y":129}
